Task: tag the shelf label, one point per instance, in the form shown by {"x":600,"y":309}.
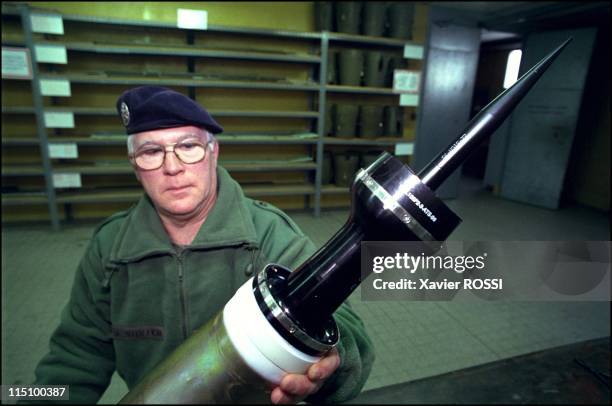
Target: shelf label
{"x":55,"y":87}
{"x":59,"y":119}
{"x":413,"y":51}
{"x":16,"y":63}
{"x":404,"y":148}
{"x":192,"y":19}
{"x":408,"y":99}
{"x":406,"y":81}
{"x":47,"y":23}
{"x":66,"y":180}
{"x":63,"y":150}
{"x":51,"y":54}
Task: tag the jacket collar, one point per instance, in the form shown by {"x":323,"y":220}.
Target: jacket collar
{"x":228,"y":223}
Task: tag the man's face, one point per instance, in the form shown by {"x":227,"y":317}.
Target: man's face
{"x":179,"y":190}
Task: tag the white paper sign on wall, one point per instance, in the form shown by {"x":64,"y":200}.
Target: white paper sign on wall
{"x":51,"y":54}
{"x":406,"y":81}
{"x":408,"y":99}
{"x":55,"y":87}
{"x":404,"y":148}
{"x":16,"y":63}
{"x":192,"y":19}
{"x":66,"y":180}
{"x":63,"y":150}
{"x":413,"y":51}
{"x":47,"y":23}
{"x":59,"y":119}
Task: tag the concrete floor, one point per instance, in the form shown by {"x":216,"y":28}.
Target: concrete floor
{"x":563,"y":375}
{"x":414,"y":340}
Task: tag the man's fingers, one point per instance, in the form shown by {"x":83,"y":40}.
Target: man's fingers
{"x":298,"y":385}
{"x":295,"y":387}
{"x":279,"y":397}
{"x":325,"y":367}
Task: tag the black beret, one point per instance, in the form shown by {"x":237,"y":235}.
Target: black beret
{"x":147,"y":108}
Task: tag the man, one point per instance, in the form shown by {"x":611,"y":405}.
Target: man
{"x":153,"y":274}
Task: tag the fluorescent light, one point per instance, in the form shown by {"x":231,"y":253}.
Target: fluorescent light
{"x":512,"y":67}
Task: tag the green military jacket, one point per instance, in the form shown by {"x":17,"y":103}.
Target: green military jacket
{"x":136,"y":297}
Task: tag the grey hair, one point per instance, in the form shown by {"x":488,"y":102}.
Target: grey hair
{"x":130,"y":140}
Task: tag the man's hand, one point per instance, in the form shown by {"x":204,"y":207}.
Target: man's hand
{"x":293,"y":388}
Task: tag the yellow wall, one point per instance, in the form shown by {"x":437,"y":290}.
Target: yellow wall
{"x":297,"y":16}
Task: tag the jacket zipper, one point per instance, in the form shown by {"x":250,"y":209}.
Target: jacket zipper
{"x":182,"y":296}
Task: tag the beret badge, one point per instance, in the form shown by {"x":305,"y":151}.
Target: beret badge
{"x":125,"y":114}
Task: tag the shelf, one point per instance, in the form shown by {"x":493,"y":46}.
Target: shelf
{"x":104,"y":111}
{"x":132,"y":195}
{"x":120,"y":139}
{"x":192,"y":51}
{"x":184,"y":80}
{"x":382,"y":141}
{"x":269,"y":166}
{"x":363,"y":39}
{"x":22,"y":199}
{"x":188,"y":51}
{"x":97,"y":111}
{"x":84,"y":196}
{"x":299,"y":139}
{"x":191,"y":81}
{"x":264,"y":114}
{"x":105,"y":196}
{"x":22,"y":170}
{"x":361,"y":89}
{"x":18,"y":141}
{"x":334,"y":190}
{"x":307,"y":138}
{"x":278,"y":190}
{"x":117,"y":169}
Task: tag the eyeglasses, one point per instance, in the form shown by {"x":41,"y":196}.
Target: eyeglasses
{"x":152,"y":156}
